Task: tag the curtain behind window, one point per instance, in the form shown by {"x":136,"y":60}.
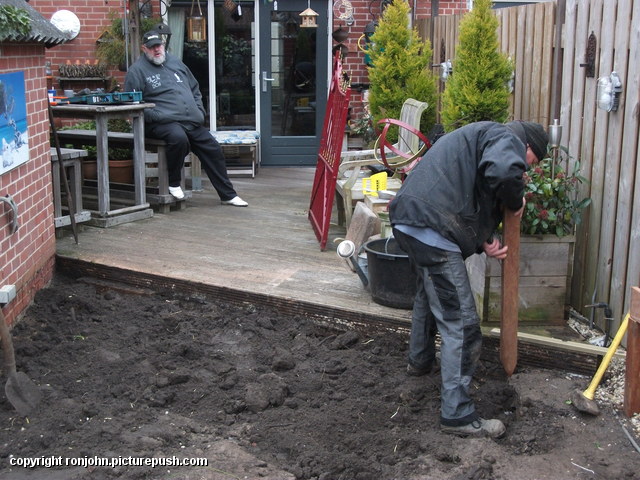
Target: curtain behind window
{"x":176,"y":19}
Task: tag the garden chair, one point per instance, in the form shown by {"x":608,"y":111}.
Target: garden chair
{"x":351,"y":173}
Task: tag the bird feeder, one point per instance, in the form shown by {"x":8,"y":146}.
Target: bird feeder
{"x":309,"y":18}
{"x":196,"y":25}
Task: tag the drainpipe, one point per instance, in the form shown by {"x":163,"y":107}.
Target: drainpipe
{"x":556,"y":78}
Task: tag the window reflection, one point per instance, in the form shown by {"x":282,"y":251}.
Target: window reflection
{"x":293,"y":66}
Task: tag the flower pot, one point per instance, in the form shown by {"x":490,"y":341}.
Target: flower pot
{"x":546,"y":264}
{"x":120,"y":171}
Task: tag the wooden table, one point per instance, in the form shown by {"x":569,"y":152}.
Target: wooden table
{"x":71,"y":160}
{"x":105,"y":216}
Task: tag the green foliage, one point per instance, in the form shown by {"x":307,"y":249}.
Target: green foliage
{"x":552,"y":203}
{"x":478,"y":88}
{"x":236,"y":55}
{"x":401,"y":68}
{"x":14,"y":21}
{"x":113,"y":125}
{"x":111,"y":48}
{"x":363,"y":127}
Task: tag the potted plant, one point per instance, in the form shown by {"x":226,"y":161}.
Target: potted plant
{"x":111,"y":46}
{"x":120,"y":158}
{"x":362,"y":128}
{"x":553,"y":206}
{"x":553,"y":209}
{"x":401,"y":69}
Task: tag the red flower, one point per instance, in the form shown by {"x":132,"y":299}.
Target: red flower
{"x":543,"y":214}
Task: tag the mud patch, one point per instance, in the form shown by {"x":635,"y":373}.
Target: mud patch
{"x":132,"y":373}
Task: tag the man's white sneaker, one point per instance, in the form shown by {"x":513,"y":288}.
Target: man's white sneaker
{"x":176,"y":192}
{"x":235,"y":201}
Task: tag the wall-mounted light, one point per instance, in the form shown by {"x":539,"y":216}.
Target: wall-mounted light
{"x":609,"y":90}
{"x":555,"y":134}
{"x":511,"y":83}
{"x":446,"y":69}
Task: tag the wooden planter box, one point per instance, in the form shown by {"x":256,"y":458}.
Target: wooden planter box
{"x":546,"y":265}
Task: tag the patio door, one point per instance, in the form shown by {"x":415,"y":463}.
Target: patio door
{"x":292,"y":72}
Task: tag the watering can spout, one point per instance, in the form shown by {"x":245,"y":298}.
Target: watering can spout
{"x":347,"y":250}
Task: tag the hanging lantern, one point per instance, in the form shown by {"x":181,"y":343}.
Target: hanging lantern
{"x":309,"y":17}
{"x":196,"y":25}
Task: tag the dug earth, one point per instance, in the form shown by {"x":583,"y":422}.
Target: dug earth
{"x":131,"y":375}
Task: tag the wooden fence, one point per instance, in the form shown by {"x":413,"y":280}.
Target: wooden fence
{"x":548,"y":44}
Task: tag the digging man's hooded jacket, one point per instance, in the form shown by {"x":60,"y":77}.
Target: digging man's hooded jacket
{"x":461,"y":184}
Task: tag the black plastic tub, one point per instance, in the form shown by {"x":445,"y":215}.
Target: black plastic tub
{"x":392,"y":281}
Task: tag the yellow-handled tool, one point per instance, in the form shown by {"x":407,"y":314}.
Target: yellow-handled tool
{"x":583,"y":401}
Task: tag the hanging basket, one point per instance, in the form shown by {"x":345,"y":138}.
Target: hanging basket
{"x":196,"y":25}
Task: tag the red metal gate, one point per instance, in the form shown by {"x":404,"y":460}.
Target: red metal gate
{"x":324,"y":183}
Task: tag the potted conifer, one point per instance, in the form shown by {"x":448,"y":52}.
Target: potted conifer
{"x":401,"y":69}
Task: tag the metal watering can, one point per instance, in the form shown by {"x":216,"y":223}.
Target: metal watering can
{"x":347,"y":250}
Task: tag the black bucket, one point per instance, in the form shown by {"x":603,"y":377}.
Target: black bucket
{"x":392,"y":281}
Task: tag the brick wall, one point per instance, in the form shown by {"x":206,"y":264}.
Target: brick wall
{"x":27,"y":256}
{"x":94,"y":16}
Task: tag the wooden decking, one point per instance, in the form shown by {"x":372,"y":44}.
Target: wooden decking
{"x":266,"y":250}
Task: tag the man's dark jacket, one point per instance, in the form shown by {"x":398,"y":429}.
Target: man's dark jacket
{"x":463,"y":181}
{"x":171,"y":86}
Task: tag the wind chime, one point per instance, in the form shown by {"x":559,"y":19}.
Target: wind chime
{"x":196,"y":25}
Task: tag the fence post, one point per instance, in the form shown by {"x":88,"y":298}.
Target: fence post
{"x":632,"y":375}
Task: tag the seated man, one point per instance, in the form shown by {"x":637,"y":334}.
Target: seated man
{"x":178,"y":116}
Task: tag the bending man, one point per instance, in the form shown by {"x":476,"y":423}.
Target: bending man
{"x":447,"y":209}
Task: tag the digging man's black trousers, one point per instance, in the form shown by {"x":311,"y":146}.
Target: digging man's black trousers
{"x":180,"y":141}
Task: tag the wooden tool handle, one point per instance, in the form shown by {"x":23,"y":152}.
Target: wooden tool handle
{"x":510,"y":281}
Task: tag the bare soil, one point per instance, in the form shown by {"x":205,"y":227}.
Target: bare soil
{"x":268,"y":396}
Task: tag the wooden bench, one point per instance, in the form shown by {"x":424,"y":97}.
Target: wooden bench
{"x":241,"y":150}
{"x":155,"y":169}
{"x":71,"y":161}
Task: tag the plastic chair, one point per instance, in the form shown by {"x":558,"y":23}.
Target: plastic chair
{"x":350,"y":173}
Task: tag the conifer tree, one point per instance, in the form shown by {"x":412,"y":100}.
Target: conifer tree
{"x":401,"y":68}
{"x":478,"y":88}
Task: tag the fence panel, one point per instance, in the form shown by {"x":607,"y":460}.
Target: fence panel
{"x":626,"y":126}
{"x":630,"y":181}
{"x":588,"y":21}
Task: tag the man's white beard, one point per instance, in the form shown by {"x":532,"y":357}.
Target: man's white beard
{"x":157,"y":60}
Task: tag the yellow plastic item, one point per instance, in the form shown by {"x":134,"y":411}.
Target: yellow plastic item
{"x":591,"y":390}
{"x":371,"y":185}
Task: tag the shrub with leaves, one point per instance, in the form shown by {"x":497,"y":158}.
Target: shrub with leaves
{"x":401,"y":68}
{"x":14,"y":22}
{"x":551,"y":194}
{"x":113,"y":125}
{"x":111,"y":48}
{"x":478,"y":88}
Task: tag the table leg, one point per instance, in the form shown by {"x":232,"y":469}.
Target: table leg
{"x":102,"y":154}
{"x":139,"y":159}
